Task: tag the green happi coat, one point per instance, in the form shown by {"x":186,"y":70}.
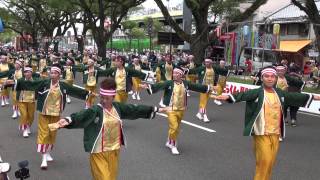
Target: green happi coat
{"x":167,"y":86}
{"x":10,"y":74}
{"x":201,"y":72}
{"x":129,"y":74}
{"x":162,"y":68}
{"x":42,"y":87}
{"x":255,"y":102}
{"x":91,"y":120}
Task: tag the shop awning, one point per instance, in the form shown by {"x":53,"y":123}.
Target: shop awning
{"x":293,"y":46}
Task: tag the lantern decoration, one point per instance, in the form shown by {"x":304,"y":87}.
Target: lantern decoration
{"x":218,"y":31}
{"x":276,"y":33}
{"x":276,"y":29}
{"x":246,"y":30}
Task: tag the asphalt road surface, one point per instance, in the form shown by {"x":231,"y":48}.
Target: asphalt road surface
{"x":219,"y":152}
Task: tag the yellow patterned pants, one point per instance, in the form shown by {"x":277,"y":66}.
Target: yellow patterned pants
{"x":26,"y":114}
{"x":203,"y":100}
{"x":91,"y":99}
{"x":13,"y":97}
{"x":174,"y":120}
{"x":135,"y":84}
{"x":34,"y":68}
{"x":221,"y":85}
{"x":220,"y":88}
{"x":121,"y":96}
{"x":265,"y":149}
{"x":46,"y":138}
{"x":104,"y":165}
{"x":158,"y":75}
{"x":192,"y":78}
{"x":4,"y":91}
{"x":70,"y":82}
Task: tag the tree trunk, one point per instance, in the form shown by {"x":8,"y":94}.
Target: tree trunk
{"x":198,"y":50}
{"x":35,"y":43}
{"x":102,"y":50}
{"x":316,"y":29}
{"x":199,"y":41}
{"x":80,"y":42}
{"x":56,"y":42}
{"x":101,"y":44}
{"x":46,"y":47}
{"x":56,"y":46}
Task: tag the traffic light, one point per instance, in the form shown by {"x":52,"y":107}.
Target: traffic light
{"x":150,"y":26}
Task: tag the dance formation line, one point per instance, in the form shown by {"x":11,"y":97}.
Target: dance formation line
{"x":102,"y":122}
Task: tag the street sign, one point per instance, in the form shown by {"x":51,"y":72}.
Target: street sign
{"x":313,"y":53}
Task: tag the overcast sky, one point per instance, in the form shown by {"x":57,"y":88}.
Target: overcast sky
{"x":152,"y":4}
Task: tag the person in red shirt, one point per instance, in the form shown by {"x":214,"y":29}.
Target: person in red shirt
{"x":307,"y":70}
{"x":248,"y":64}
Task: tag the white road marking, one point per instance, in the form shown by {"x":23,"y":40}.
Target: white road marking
{"x":309,"y":114}
{"x":191,"y":124}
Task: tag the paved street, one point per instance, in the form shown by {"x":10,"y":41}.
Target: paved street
{"x":222,"y":155}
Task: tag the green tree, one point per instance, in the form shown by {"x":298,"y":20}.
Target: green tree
{"x":7,"y":36}
{"x":54,"y":16}
{"x":98,"y":11}
{"x":310,"y":8}
{"x":200,"y":9}
{"x":138,"y":33}
{"x":39,"y":18}
{"x":128,"y":26}
{"x":22,"y":19}
{"x":152,"y":27}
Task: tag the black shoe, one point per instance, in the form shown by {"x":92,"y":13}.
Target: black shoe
{"x":287,"y":122}
{"x":293,"y":123}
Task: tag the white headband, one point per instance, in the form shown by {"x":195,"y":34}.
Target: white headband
{"x":177,"y":70}
{"x":19,"y":62}
{"x":27,"y":69}
{"x":268,"y":70}
{"x":280,"y":68}
{"x":208,"y":60}
{"x":109,"y":92}
{"x":54,"y":68}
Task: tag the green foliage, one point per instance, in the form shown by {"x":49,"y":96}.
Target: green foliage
{"x":138,"y":33}
{"x":129,"y":25}
{"x":226,"y":8}
{"x":122,"y":44}
{"x":7,"y":36}
{"x":155,"y":23}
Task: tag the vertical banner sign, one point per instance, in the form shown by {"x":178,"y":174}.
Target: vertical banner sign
{"x":1,"y":26}
{"x":246,"y":36}
{"x":276,"y":33}
{"x":233,"y":50}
